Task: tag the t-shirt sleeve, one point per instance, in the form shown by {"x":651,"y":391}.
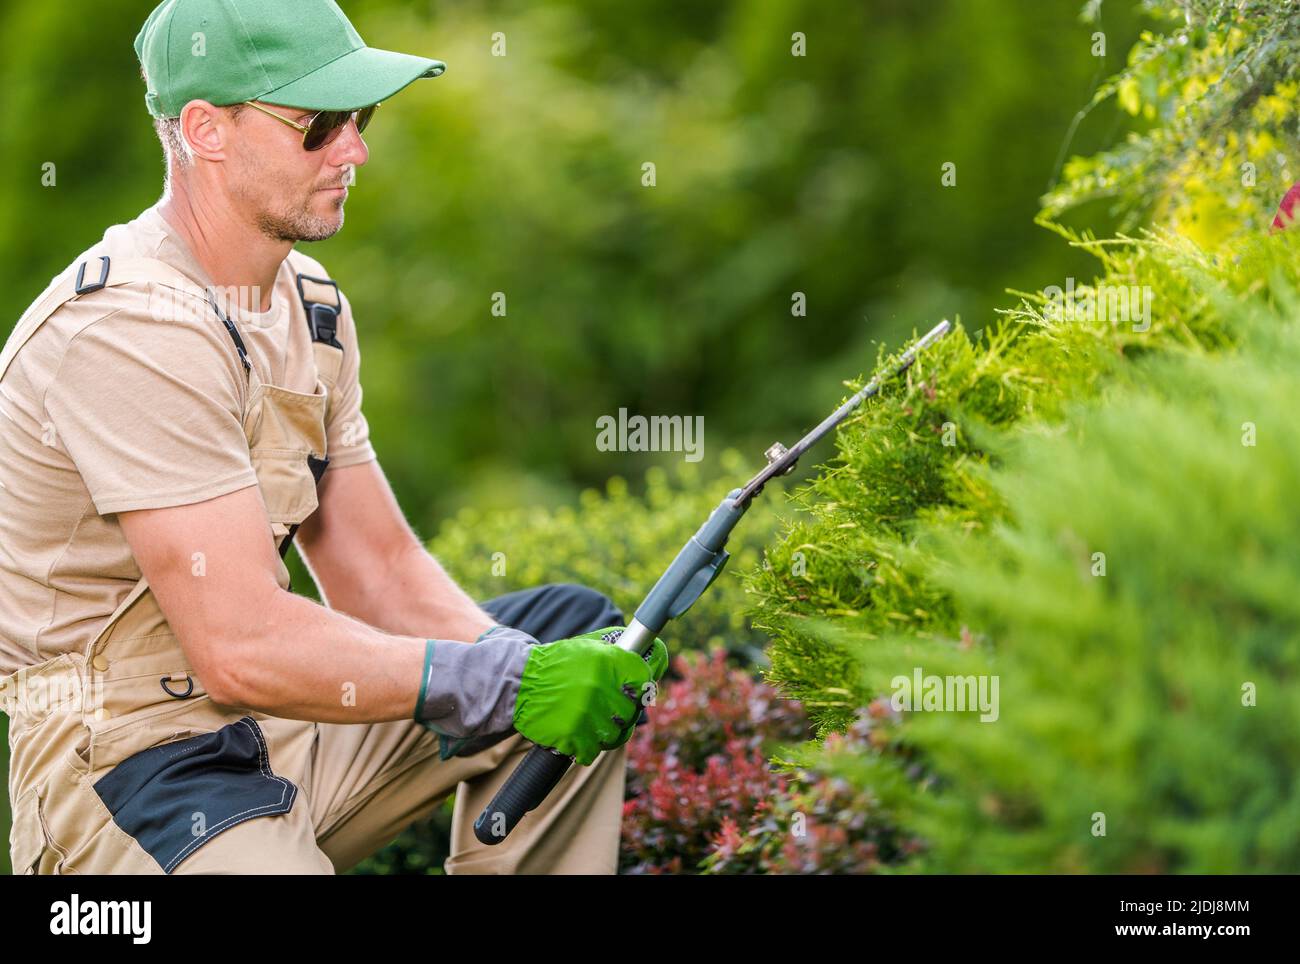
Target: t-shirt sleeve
{"x":347,"y":433}
{"x":150,"y":411}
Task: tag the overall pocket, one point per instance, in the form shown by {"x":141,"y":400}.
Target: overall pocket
{"x":284,"y":428}
{"x":287,"y":441}
{"x":287,"y":483}
{"x":173,"y":798}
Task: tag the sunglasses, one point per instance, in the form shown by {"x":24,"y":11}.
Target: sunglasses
{"x":325,"y":126}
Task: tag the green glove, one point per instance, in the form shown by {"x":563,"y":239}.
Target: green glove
{"x":583,"y":695}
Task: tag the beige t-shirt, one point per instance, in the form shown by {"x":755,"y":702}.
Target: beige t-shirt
{"x":107,"y":408}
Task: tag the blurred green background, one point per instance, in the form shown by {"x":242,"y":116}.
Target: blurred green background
{"x":523,"y":174}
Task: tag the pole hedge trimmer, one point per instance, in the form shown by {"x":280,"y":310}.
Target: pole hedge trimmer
{"x":697,"y":565}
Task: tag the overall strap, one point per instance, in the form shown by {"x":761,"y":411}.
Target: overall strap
{"x":323,"y":304}
{"x":84,"y":278}
{"x":320,"y":296}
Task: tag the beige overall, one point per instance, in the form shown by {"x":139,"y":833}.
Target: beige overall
{"x":246,"y":792}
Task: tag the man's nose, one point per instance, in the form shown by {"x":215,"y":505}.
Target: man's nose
{"x":348,"y":147}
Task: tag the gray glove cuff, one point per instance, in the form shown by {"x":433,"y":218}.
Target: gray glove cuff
{"x":470,"y":688}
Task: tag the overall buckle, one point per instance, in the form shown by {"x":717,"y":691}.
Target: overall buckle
{"x":82,"y":288}
{"x":322,"y":317}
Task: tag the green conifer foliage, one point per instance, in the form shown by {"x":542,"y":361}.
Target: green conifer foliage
{"x":1111,"y":535}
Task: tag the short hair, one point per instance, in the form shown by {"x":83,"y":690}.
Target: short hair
{"x":173,"y":142}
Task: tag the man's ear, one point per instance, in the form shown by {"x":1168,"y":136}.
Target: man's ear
{"x":205,"y":128}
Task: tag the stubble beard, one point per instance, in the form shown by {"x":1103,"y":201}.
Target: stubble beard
{"x":302,"y":224}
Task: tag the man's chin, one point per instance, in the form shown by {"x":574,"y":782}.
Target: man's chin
{"x":331,"y":223}
{"x":325,"y":229}
{"x":308,"y":226}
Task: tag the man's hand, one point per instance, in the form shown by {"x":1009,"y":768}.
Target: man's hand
{"x":578,"y":696}
{"x":583,"y":695}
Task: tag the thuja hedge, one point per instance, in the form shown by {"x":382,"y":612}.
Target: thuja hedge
{"x":915,"y":458}
{"x":1111,"y":532}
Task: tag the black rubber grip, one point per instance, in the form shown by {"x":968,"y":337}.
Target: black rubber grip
{"x":535,"y":777}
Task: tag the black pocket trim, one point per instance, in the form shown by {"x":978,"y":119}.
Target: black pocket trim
{"x":226,"y":776}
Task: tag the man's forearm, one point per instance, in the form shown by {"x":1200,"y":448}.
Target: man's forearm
{"x":414,"y":596}
{"x":297,"y":659}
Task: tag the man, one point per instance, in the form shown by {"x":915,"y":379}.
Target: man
{"x":182,"y":402}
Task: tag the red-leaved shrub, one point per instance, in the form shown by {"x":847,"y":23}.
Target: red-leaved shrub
{"x":701,"y":759}
{"x":702,"y":797}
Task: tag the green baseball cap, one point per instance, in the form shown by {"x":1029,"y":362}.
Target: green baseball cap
{"x":296,"y":53}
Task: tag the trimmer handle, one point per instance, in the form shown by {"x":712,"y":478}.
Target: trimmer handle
{"x":533,"y":779}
